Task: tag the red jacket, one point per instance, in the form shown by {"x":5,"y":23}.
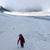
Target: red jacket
{"x":22,"y":40}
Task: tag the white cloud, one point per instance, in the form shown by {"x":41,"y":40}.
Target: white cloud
{"x":25,"y":4}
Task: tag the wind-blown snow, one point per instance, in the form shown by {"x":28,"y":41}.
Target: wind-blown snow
{"x":35,"y":30}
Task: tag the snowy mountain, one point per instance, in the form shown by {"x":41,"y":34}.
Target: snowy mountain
{"x":3,"y":9}
{"x":35,"y":30}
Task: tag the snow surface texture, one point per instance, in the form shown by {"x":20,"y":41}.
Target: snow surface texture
{"x":36,"y":32}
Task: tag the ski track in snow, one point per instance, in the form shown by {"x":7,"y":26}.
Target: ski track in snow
{"x":35,"y":31}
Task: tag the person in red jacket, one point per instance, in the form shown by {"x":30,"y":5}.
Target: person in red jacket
{"x":22,"y":40}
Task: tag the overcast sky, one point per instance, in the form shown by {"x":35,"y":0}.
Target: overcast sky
{"x":25,"y":4}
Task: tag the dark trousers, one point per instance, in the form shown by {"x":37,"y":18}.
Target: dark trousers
{"x":22,"y":45}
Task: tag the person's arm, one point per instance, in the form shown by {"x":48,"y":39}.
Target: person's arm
{"x":18,"y":41}
{"x":24,"y":39}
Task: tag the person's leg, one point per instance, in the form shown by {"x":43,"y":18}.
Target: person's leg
{"x":22,"y":45}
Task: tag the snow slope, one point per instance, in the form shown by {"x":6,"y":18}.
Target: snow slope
{"x":41,"y":13}
{"x":35,"y":30}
